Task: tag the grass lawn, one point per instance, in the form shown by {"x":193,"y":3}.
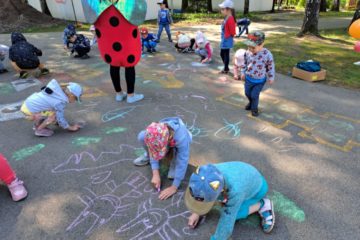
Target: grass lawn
{"x":335,"y":53}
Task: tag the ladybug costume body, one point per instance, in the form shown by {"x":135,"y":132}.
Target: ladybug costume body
{"x":119,"y":45}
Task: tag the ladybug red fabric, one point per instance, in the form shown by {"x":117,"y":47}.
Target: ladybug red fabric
{"x":118,"y":40}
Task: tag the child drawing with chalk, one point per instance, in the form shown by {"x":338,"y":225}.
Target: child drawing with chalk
{"x":203,"y":48}
{"x":7,"y":175}
{"x":237,"y":188}
{"x":167,"y":141}
{"x":257,"y":68}
{"x":48,"y":106}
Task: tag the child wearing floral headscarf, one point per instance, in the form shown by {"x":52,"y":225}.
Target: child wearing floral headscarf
{"x":168,"y":139}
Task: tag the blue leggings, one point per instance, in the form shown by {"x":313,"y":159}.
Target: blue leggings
{"x":244,"y":210}
{"x":150,"y":44}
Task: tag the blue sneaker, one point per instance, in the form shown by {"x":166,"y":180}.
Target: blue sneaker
{"x":135,"y":98}
{"x":120,"y":97}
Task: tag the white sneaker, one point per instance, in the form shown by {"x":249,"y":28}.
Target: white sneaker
{"x":142,"y":160}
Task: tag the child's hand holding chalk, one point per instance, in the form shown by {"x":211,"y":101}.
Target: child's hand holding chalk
{"x":156,"y":180}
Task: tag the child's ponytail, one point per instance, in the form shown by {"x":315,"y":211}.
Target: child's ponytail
{"x":233,"y":13}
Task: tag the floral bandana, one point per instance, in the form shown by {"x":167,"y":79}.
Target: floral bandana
{"x":157,"y":140}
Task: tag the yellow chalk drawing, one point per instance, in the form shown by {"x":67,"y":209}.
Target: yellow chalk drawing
{"x":166,"y":79}
{"x":92,"y":92}
{"x":332,"y":130}
{"x":84,"y":74}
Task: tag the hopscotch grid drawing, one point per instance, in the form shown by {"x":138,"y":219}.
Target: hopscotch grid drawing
{"x":308,"y":120}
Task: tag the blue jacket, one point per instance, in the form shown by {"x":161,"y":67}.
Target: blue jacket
{"x":168,"y":16}
{"x":24,"y":54}
{"x":243,"y":182}
{"x":56,"y":101}
{"x":81,"y":41}
{"x":150,"y":38}
{"x":183,"y":139}
{"x":68,"y":31}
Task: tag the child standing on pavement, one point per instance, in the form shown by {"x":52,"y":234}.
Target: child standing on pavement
{"x":258,"y":68}
{"x":164,"y":20}
{"x":7,"y":175}
{"x":237,"y":187}
{"x":48,"y":106}
{"x":228,"y":31}
{"x":167,"y":140}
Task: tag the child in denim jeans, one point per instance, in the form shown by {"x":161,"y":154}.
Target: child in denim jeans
{"x":258,"y":68}
{"x":164,"y":20}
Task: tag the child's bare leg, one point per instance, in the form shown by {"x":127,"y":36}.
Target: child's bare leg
{"x":49,"y":120}
{"x":254,"y":208}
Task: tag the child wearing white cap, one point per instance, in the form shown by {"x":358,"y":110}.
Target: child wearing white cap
{"x":3,"y":52}
{"x":203,"y":48}
{"x":228,"y":31}
{"x":48,"y":106}
{"x":237,"y":187}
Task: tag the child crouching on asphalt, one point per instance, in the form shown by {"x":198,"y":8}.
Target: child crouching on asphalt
{"x":3,"y":52}
{"x":258,"y":68}
{"x":148,"y":40}
{"x":7,"y":175}
{"x":167,"y":140}
{"x":203,"y":48}
{"x":184,"y":44}
{"x":237,"y":187}
{"x":48,"y":106}
{"x":79,"y":45}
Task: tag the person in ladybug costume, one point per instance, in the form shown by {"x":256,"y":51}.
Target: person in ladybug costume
{"x":120,"y":46}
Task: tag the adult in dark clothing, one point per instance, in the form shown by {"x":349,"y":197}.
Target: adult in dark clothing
{"x":24,"y":56}
{"x":79,"y":44}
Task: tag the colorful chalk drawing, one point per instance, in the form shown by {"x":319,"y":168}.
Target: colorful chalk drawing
{"x":27,"y":152}
{"x":84,"y":141}
{"x":335,"y":131}
{"x":92,"y":92}
{"x":11,"y":111}
{"x":6,"y":88}
{"x":230,"y":131}
{"x":117,"y":113}
{"x":87,"y":161}
{"x":23,"y":84}
{"x":287,"y":208}
{"x":279,"y":144}
{"x":106,"y":201}
{"x":111,"y":130}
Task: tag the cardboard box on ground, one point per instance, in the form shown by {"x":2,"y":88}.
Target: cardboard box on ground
{"x":309,"y":76}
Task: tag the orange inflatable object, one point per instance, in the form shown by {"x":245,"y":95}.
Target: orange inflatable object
{"x":357,"y":47}
{"x":354,"y":29}
{"x":118,"y":40}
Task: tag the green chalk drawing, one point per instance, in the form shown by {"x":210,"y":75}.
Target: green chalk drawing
{"x":238,"y":99}
{"x":27,"y":152}
{"x":252,"y":221}
{"x":307,"y":119}
{"x":83,"y":141}
{"x":6,"y":88}
{"x":139,"y":152}
{"x":285,"y":207}
{"x":273,"y":116}
{"x":111,"y":130}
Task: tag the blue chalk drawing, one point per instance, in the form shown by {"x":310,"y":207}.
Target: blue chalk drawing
{"x":117,"y":113}
{"x":229,"y":131}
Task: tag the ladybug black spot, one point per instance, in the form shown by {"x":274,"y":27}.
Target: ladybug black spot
{"x":108,"y":58}
{"x":98,"y":33}
{"x":135,"y":33}
{"x":131,"y":59}
{"x":117,"y":46}
{"x":114,"y":21}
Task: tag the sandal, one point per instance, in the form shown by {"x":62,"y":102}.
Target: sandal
{"x":267,"y":215}
{"x":224,"y":72}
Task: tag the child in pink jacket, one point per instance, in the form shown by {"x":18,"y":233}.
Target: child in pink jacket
{"x":203,"y":48}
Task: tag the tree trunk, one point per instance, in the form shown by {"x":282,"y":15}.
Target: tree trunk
{"x":357,"y":12}
{"x":335,"y":6}
{"x":184,"y":5}
{"x":246,"y":7}
{"x":209,"y":6}
{"x":323,"y":6}
{"x":311,"y":18}
{"x":273,"y":6}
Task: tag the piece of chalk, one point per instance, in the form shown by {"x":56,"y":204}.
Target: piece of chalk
{"x":158,"y":189}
